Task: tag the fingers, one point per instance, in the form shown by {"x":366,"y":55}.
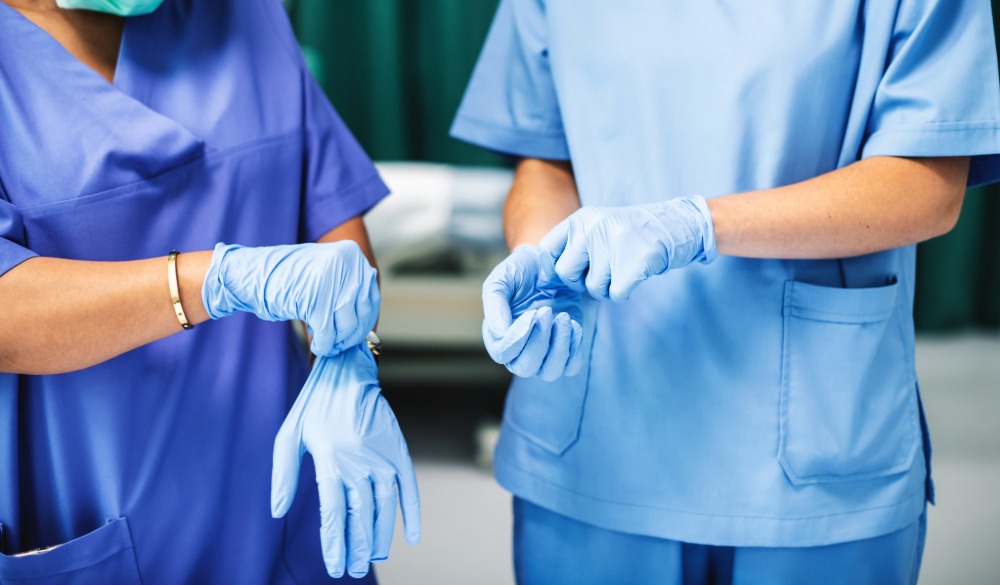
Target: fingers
{"x":633,"y":267}
{"x":622,"y":287}
{"x":356,"y":304}
{"x":575,"y":362}
{"x":333,"y":512}
{"x":496,"y":305}
{"x":504,"y":337}
{"x":360,"y":522}
{"x":598,"y":277}
{"x":369,"y":302}
{"x":539,"y":344}
{"x":529,"y":361}
{"x":409,"y":498}
{"x":285,"y":467}
{"x":573,"y":260}
{"x":589,"y":254}
{"x":386,"y":500}
{"x":323,"y":341}
{"x":350,"y":325}
{"x":558,"y":354}
{"x":554,"y":242}
{"x":508,"y":346}
{"x":511,"y":283}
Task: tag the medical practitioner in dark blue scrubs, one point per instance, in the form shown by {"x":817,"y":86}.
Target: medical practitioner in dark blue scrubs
{"x":132,"y":451}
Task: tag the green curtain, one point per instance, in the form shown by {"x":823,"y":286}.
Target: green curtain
{"x":958,"y":274}
{"x":396,"y":70}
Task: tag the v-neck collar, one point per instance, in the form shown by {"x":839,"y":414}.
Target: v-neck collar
{"x":126,"y":99}
{"x":54,"y":47}
{"x":101,"y":136}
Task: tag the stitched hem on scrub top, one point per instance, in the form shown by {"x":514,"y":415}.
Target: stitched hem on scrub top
{"x":979,"y":140}
{"x":946,"y":139}
{"x":700,"y":528}
{"x":548,"y":144}
{"x":325,"y":212}
{"x":206,"y":157}
{"x":12,"y":254}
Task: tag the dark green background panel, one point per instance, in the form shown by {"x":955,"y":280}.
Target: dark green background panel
{"x":396,"y":70}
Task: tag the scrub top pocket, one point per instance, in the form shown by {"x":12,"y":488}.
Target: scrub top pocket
{"x":549,"y":413}
{"x":103,"y":556}
{"x":848,"y":398}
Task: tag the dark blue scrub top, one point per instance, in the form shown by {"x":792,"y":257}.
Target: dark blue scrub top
{"x":158,"y":463}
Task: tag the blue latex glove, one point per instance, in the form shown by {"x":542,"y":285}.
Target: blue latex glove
{"x":532,"y":321}
{"x":341,"y":418}
{"x":611,"y":250}
{"x":331,"y":287}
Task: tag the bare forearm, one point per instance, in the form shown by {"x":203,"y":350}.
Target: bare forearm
{"x":65,"y":315}
{"x":352,"y":229}
{"x":543,"y":194}
{"x":872,"y":205}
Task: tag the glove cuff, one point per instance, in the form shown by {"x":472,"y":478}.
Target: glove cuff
{"x":709,"y":251}
{"x":218,"y":301}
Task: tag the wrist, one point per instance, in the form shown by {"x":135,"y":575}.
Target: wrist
{"x":191,"y":270}
{"x":216,"y":299}
{"x":695,"y":242}
{"x":709,"y":247}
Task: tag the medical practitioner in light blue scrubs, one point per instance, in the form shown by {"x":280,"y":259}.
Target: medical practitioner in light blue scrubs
{"x":752,"y":416}
{"x":132,"y":451}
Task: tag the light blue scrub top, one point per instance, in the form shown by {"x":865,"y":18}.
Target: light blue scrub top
{"x":157,"y":464}
{"x":747,"y":402}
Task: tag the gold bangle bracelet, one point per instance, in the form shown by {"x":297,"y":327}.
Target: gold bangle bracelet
{"x":175,"y":295}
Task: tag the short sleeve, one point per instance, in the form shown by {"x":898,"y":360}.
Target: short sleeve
{"x":340,"y":180}
{"x":940,"y":92}
{"x":13,"y":248}
{"x":510,"y":104}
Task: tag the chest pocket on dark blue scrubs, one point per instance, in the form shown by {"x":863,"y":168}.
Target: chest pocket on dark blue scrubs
{"x":848,"y":397}
{"x":104,"y":556}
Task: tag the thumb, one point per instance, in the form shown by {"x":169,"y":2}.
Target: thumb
{"x":409,"y":501}
{"x":496,"y":307}
{"x":554,"y":242}
{"x":285,"y":468}
{"x":569,"y":253}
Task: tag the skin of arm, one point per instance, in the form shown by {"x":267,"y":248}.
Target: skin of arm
{"x":875,"y":204}
{"x":543,"y":194}
{"x":65,"y":315}
{"x":352,"y":229}
{"x":872,"y":205}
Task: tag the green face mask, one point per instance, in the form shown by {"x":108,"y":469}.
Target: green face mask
{"x":119,"y":7}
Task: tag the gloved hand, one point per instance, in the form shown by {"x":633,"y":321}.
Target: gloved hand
{"x":532,"y":321}
{"x":341,"y":418}
{"x":331,"y":287}
{"x":611,"y":250}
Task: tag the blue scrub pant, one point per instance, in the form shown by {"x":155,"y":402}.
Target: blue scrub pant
{"x":550,"y":549}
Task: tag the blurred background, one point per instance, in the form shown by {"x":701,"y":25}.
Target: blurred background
{"x":395,"y":70}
